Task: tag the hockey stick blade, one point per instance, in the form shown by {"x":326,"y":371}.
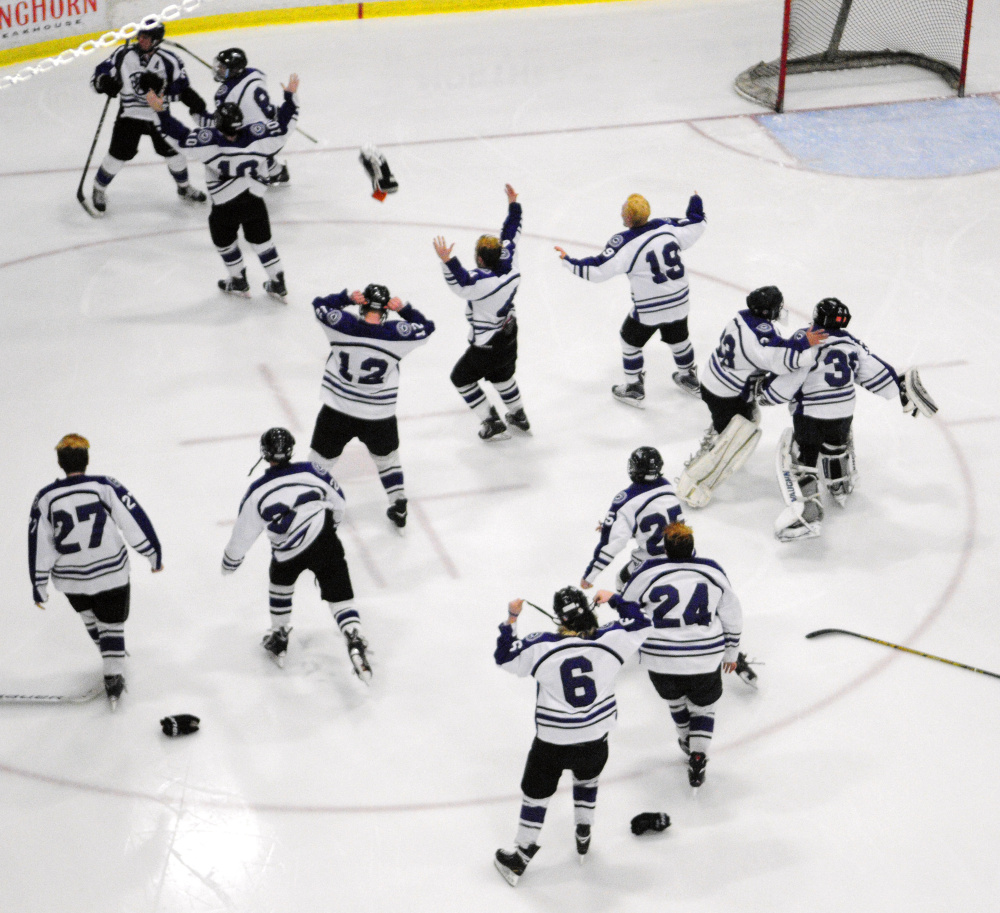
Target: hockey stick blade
{"x":86,"y":206}
{"x":886,"y":643}
{"x":52,"y":698}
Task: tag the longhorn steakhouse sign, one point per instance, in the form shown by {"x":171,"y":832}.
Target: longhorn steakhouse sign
{"x":31,"y":21}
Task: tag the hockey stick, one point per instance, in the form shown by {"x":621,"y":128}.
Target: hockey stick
{"x":83,"y":177}
{"x":886,"y":643}
{"x":51,"y":698}
{"x":190,"y":53}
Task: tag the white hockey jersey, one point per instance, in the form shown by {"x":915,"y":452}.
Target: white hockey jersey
{"x":575,"y":698}
{"x":126,"y":66}
{"x":697,"y":619}
{"x":249,"y":91}
{"x":233,"y":166}
{"x":750,"y":345}
{"x":489,"y":295}
{"x":651,"y":258}
{"x":641,"y":512}
{"x":290,"y":504}
{"x":824,"y":386}
{"x":362,"y":370}
{"x":69,"y":536}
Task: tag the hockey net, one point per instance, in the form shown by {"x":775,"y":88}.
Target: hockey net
{"x":823,"y":35}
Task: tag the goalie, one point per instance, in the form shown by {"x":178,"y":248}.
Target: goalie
{"x":750,"y":347}
{"x":821,"y":398}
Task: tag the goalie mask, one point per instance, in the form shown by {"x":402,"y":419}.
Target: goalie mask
{"x":377,"y":298}
{"x":767,"y":303}
{"x":831,"y":314}
{"x":229,"y":63}
{"x":228,"y":118}
{"x":645,"y":464}
{"x":572,"y":610}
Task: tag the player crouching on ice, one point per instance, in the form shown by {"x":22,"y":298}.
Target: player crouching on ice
{"x":575,"y":710}
{"x":821,"y":399}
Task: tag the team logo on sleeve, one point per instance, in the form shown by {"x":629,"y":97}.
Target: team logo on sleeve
{"x":764,"y":327}
{"x":204,"y":136}
{"x":333,"y":316}
{"x":616,"y":241}
{"x":505,"y":254}
{"x":403,"y":328}
{"x":532,"y":637}
{"x":621,"y":496}
{"x":257,"y":129}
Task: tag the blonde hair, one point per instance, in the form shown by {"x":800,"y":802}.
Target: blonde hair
{"x":488,"y":249}
{"x":636,"y":210}
{"x":679,"y":540}
{"x":73,"y":442}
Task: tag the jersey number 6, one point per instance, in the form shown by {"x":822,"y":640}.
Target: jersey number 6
{"x":579,"y":689}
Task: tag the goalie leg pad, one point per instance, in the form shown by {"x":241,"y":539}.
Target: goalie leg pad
{"x":799,"y":484}
{"x":839,"y":469}
{"x":730,"y":451}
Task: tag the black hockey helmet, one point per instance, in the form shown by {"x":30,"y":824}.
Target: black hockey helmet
{"x":229,"y":63}
{"x":831,"y":314}
{"x":572,"y":610}
{"x":276,"y":445}
{"x":155,"y":34}
{"x":228,"y":118}
{"x":645,"y":464}
{"x":767,"y":303}
{"x":377,"y":298}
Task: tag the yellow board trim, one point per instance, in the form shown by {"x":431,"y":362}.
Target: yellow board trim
{"x":298,"y":14}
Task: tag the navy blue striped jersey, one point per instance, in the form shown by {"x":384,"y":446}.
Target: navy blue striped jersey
{"x":126,"y":65}
{"x":248,"y":91}
{"x":697,"y":619}
{"x":575,"y":699}
{"x":289,"y":503}
{"x":651,"y":258}
{"x":641,"y":512}
{"x":71,"y":539}
{"x":362,"y":369}
{"x":824,"y":386}
{"x":489,"y":295}
{"x":233,"y":166}
{"x":750,"y":345}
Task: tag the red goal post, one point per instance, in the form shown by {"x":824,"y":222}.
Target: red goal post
{"x":820,"y":35}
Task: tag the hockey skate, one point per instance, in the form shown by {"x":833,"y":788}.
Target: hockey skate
{"x":706,"y":445}
{"x":190,"y":194}
{"x":696,"y":768}
{"x":512,"y":864}
{"x":276,"y":643}
{"x":236,"y":285}
{"x":687,"y":380}
{"x":519,"y":420}
{"x":685,"y":745}
{"x":114,"y":685}
{"x":744,"y":672}
{"x":493,"y":429}
{"x":383,"y":182}
{"x":275,"y":288}
{"x":397,"y":513}
{"x":99,"y":199}
{"x":357,"y":648}
{"x":633,"y":394}
{"x":582,"y":841}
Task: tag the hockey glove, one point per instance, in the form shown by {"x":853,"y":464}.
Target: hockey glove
{"x":106,"y":84}
{"x":205,"y":120}
{"x":695,"y":210}
{"x":180,"y":724}
{"x":150,"y":82}
{"x":650,"y":821}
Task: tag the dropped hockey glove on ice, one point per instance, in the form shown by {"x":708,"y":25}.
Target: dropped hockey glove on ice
{"x":650,"y":821}
{"x":181,"y":724}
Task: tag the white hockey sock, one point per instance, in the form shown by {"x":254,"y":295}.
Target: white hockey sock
{"x":510,"y":394}
{"x":267,"y":253}
{"x":232,"y":257}
{"x":89,"y":620}
{"x":683,"y":353}
{"x":346,"y":616}
{"x":323,"y":462}
{"x":112,"y":642}
{"x":110,"y":166}
{"x":681,"y":717}
{"x":632,"y":362}
{"x":584,"y":800}
{"x":702,"y":726}
{"x":178,"y":168}
{"x":476,"y":400}
{"x":529,"y":825}
{"x":390,"y":474}
{"x":280,"y":603}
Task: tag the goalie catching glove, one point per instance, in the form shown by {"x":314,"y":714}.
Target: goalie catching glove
{"x":913,"y":397}
{"x":650,"y":821}
{"x":180,"y":724}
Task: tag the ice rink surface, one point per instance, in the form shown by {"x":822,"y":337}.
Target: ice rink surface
{"x":856,"y":778}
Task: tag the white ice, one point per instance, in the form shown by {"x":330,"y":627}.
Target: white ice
{"x":857,"y":778}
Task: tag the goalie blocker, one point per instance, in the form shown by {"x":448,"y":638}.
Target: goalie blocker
{"x":383,"y":182}
{"x":707,"y":471}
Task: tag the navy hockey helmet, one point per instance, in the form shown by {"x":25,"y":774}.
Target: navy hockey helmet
{"x":645,"y":464}
{"x":155,"y":34}
{"x":572,"y":610}
{"x":229,"y":63}
{"x":377,"y":298}
{"x":276,"y":445}
{"x":228,"y":118}
{"x":831,"y":314}
{"x":767,"y":303}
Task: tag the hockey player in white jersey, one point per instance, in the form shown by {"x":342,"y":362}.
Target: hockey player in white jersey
{"x":649,"y":253}
{"x":246,"y":88}
{"x":821,"y":399}
{"x":71,"y":540}
{"x":138,"y":66}
{"x":697,"y":623}
{"x":489,"y":295}
{"x":575,"y":709}
{"x":299,"y":507}
{"x":235,"y":157}
{"x":361,"y":382}
{"x":749,"y":347}
{"x":641,"y":512}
